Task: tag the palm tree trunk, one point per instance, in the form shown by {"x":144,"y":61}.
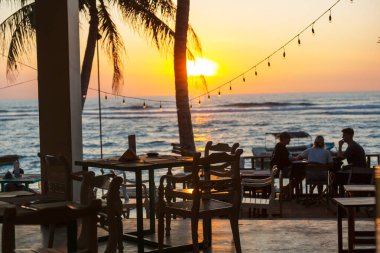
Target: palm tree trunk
{"x":90,"y":49}
{"x":185,"y":126}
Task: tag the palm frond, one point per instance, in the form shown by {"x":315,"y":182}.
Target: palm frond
{"x":18,"y":31}
{"x":113,"y":44}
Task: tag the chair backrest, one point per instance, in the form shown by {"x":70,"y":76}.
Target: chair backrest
{"x":317,"y":174}
{"x":360,"y":175}
{"x":56,"y":178}
{"x":231,"y":184}
{"x":220,"y":147}
{"x":48,"y":215}
{"x":182,"y":150}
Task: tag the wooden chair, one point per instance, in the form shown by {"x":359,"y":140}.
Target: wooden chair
{"x":258,"y":198}
{"x":56,"y":182}
{"x":128,"y":194}
{"x":110,"y":215}
{"x":50,"y":215}
{"x":220,"y":147}
{"x":359,"y":175}
{"x":56,"y":176}
{"x":202,"y":205}
{"x":182,"y":150}
{"x":317,"y":175}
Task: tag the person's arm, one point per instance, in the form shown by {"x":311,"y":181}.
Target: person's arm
{"x":303,"y":155}
{"x":340,"y":153}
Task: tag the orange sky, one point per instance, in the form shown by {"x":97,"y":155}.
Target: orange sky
{"x":342,"y":56}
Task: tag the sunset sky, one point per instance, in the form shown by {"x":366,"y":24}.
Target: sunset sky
{"x":342,"y":55}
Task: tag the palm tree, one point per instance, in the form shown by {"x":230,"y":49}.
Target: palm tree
{"x":181,"y":86}
{"x":150,"y":18}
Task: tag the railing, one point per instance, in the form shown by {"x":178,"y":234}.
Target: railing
{"x":263,"y":161}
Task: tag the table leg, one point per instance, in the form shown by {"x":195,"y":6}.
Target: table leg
{"x":139,"y":212}
{"x":152,"y":201}
{"x":72,"y":236}
{"x":351,"y":228}
{"x":340,"y":234}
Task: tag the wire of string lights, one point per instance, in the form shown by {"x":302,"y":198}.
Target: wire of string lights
{"x":15,"y":84}
{"x":267,"y":58}
{"x":217,"y":88}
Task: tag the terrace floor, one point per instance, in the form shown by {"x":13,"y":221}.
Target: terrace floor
{"x":303,"y":229}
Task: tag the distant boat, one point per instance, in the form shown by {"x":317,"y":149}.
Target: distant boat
{"x":300,"y":141}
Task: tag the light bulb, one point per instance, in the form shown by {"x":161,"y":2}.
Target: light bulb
{"x":209,"y":97}
{"x":299,"y":40}
{"x":219,"y":94}
{"x":144,"y":105}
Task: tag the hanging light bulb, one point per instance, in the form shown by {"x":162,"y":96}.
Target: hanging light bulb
{"x":83,"y":96}
{"x":208,"y":97}
{"x":243,"y":78}
{"x":160,"y":106}
{"x":199,"y":101}
{"x":105,"y":96}
{"x":144,"y":105}
{"x":191,"y":106}
{"x":312,"y":29}
{"x":219,"y":94}
{"x":255,"y":72}
{"x":268,"y":62}
{"x":123,"y":100}
{"x":330,"y":16}
{"x":230,"y":86}
{"x":299,"y":40}
{"x":284,"y":54}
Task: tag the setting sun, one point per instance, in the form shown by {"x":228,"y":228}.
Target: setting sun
{"x":201,"y":66}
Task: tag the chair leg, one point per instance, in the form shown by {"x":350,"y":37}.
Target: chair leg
{"x":168,"y":223}
{"x":207,"y":232}
{"x":161,"y":231}
{"x":112,"y":239}
{"x":120,"y":237}
{"x":234,"y":221}
{"x":51,"y":235}
{"x":194,"y":233}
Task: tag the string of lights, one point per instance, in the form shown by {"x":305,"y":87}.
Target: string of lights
{"x":21,"y":63}
{"x":15,"y":84}
{"x":217,"y":88}
{"x":268,"y":57}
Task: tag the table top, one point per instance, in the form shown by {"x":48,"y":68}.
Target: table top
{"x":25,"y":178}
{"x":359,"y":188}
{"x":355,"y":201}
{"x":27,"y":202}
{"x":142,"y":163}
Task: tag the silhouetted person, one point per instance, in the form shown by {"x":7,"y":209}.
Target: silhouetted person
{"x":354,"y":154}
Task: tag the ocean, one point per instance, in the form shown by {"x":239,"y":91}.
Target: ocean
{"x":230,"y":118}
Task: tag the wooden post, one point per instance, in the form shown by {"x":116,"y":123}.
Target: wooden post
{"x":59,"y":93}
{"x":377,"y":182}
{"x":132,"y":142}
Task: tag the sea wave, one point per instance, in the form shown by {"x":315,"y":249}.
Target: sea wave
{"x":267,"y":104}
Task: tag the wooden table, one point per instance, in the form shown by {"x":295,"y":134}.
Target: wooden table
{"x":360,"y":189}
{"x":144,"y":163}
{"x":23,"y":199}
{"x":24,"y":179}
{"x":350,"y":205}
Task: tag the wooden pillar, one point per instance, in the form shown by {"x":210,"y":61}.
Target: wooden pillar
{"x":59,"y":78}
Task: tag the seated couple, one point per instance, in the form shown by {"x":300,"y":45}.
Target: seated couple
{"x":354,"y":154}
{"x":316,"y":154}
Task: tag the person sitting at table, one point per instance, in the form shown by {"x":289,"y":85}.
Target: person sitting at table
{"x":280,"y":156}
{"x":354,"y":154}
{"x":17,"y":172}
{"x":317,"y":155}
